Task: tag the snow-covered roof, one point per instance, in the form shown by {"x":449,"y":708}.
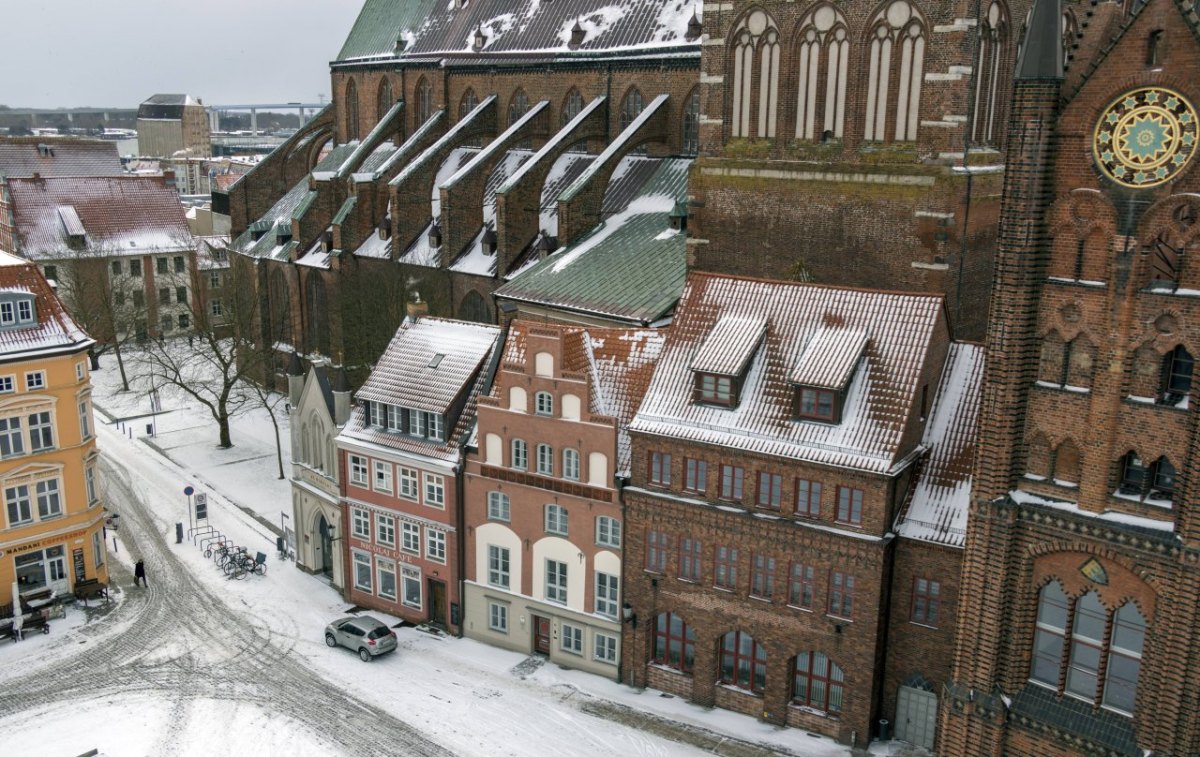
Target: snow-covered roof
{"x":448,"y":27}
{"x":941,"y":495}
{"x":22,"y":156}
{"x":55,"y":330}
{"x":619,"y":363}
{"x":122,"y":215}
{"x":429,"y":364}
{"x":878,"y":401}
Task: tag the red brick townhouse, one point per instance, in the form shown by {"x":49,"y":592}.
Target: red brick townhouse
{"x":401,"y":461}
{"x":773,"y":455}
{"x":543,"y":513}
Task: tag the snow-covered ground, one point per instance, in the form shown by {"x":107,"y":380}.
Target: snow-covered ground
{"x":464,"y":697}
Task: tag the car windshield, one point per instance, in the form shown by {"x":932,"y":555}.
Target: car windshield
{"x":378,"y":632}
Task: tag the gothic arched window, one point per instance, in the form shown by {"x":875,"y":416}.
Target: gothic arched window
{"x":824,"y":53}
{"x":351,"y":110}
{"x":572,"y":106}
{"x":755,"y":49}
{"x":895,"y":71}
{"x":468,"y":103}
{"x":318,"y":315}
{"x":384,"y":101}
{"x":517,"y":106}
{"x":690,"y":142}
{"x":631,"y":107}
{"x":993,"y":39}
{"x":424,"y":102}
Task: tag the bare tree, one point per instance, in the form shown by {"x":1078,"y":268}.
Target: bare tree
{"x":216,"y":362}
{"x":104,"y":290}
{"x":271,"y":402}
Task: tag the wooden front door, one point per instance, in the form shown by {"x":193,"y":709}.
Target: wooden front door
{"x":437,"y":603}
{"x":541,"y":635}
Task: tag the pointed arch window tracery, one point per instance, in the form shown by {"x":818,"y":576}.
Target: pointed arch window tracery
{"x":351,"y":110}
{"x":895,"y":70}
{"x":823,"y":57}
{"x":755,"y":75}
{"x":993,"y":40}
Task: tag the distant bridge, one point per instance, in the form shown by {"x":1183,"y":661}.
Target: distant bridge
{"x":306,"y":110}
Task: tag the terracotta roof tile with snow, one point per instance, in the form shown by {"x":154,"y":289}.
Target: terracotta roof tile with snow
{"x":51,"y":330}
{"x":432,"y":365}
{"x":765,"y":331}
{"x":116,"y":215}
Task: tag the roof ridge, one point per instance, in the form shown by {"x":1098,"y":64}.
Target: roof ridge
{"x":814,"y":285}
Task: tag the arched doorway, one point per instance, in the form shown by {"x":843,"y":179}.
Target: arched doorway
{"x":325,"y":559}
{"x":474,"y":308}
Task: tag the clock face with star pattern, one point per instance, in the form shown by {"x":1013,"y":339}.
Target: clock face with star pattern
{"x":1146,"y":137}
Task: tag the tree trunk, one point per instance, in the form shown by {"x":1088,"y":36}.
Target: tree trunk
{"x":94,"y":360}
{"x":223,"y":424}
{"x":121,"y":366}
{"x":278,"y":444}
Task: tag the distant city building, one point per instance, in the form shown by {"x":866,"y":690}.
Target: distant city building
{"x":51,"y":534}
{"x":169,"y":124}
{"x":22,"y":157}
{"x":118,"y":247}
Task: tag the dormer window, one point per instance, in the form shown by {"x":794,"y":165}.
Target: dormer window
{"x":403,"y":420}
{"x":822,"y":376}
{"x":724,"y":358}
{"x":17,"y":310}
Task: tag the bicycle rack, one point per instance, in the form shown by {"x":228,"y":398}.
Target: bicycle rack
{"x":193,"y":533}
{"x":207,"y":540}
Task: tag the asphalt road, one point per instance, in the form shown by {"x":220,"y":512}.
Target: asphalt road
{"x":182,"y":644}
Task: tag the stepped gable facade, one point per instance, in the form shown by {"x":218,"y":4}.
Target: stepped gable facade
{"x":400,"y":457}
{"x":796,"y":501}
{"x":543,"y":502}
{"x":1077,"y":624}
{"x":856,"y":144}
{"x":465,"y":142}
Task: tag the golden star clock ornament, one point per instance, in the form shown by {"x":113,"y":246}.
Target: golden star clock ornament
{"x":1146,"y":137}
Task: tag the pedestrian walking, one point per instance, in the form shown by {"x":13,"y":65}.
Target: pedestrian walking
{"x":139,"y":573}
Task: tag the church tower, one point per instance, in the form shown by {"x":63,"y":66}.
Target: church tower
{"x":1082,"y":567}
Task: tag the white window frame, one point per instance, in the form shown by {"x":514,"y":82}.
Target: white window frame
{"x":608,"y":531}
{"x":498,"y":617}
{"x":89,"y":479}
{"x":543,"y":403}
{"x":362,"y":560}
{"x":571,"y":464}
{"x":499,"y":507}
{"x":97,"y":549}
{"x":386,"y":566}
{"x":557,"y":520}
{"x":41,"y":431}
{"x":411,"y":573}
{"x":35,"y":380}
{"x":499,"y":567}
{"x":12,"y":431}
{"x":18,"y":502}
{"x":360,"y":523}
{"x":571,"y":638}
{"x":382,"y":478}
{"x":359,"y":471}
{"x":556,"y":581}
{"x":435,"y":490}
{"x":520,"y":454}
{"x":409,"y":485}
{"x":395,"y":418}
{"x":608,"y":593}
{"x":410,"y":538}
{"x":49,"y":498}
{"x":435,"y":545}
{"x":385,"y":530}
{"x":8,"y":384}
{"x":545,"y":460}
{"x":604,"y":648}
{"x":85,"y":425}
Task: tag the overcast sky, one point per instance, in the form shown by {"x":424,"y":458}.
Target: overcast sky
{"x":70,"y":53}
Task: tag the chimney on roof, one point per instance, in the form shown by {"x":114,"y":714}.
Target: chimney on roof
{"x":416,"y":308}
{"x":577,"y":36}
{"x":679,"y":216}
{"x":341,"y":396}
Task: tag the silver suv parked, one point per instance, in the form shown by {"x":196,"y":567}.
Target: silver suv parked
{"x":368,"y":636}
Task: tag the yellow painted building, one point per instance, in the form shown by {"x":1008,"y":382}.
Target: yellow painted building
{"x":51,"y":524}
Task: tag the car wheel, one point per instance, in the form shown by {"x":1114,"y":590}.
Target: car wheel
{"x":364,"y":654}
{"x":330,"y":641}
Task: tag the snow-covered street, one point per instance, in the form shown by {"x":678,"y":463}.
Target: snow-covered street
{"x":197,"y":662}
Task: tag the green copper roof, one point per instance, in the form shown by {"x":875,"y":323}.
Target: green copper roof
{"x":631,"y":267}
{"x":380,"y":23}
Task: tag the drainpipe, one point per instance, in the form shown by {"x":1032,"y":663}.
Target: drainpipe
{"x":460,"y":527}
